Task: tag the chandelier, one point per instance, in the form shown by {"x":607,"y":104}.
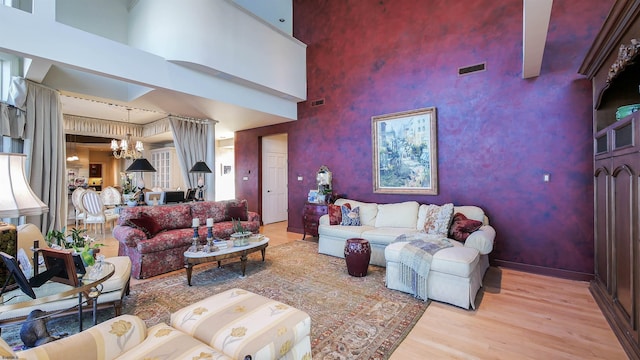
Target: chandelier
{"x":126,"y":149}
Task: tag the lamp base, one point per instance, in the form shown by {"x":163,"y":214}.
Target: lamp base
{"x":9,"y":245}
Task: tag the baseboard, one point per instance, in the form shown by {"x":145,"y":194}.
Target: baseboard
{"x":541,"y":270}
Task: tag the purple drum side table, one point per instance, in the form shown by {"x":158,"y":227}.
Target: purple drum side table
{"x":357,"y":253}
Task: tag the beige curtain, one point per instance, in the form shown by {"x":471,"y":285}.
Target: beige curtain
{"x":190,"y":139}
{"x":44,"y":145}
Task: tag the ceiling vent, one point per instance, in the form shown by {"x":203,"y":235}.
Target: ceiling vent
{"x":468,"y":70}
{"x":318,"y":102}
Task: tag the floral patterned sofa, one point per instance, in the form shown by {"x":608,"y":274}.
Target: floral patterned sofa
{"x":234,"y":324}
{"x":156,"y":237}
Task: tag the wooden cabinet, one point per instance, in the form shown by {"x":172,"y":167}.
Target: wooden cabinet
{"x":311,"y":218}
{"x":613,"y":65}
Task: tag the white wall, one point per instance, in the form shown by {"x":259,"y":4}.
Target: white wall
{"x":105,"y":18}
{"x":220,"y":36}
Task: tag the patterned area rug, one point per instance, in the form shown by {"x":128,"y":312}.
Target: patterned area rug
{"x":351,"y":318}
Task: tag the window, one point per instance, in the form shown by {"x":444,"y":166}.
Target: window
{"x":161,"y":161}
{"x":9,"y":67}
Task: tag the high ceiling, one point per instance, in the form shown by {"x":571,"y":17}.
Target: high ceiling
{"x":95,"y":102}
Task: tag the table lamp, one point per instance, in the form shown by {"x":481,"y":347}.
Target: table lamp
{"x":140,"y":165}
{"x":200,"y":167}
{"x":17,"y":199}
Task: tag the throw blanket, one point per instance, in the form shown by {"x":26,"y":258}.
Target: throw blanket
{"x":415,"y":260}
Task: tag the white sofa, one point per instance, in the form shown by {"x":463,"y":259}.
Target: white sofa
{"x":456,"y":273}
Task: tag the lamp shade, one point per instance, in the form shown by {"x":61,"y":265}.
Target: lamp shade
{"x":141,"y":165}
{"x":17,"y":198}
{"x":200,"y":167}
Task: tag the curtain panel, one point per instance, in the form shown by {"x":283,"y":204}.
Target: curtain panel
{"x":190,"y":139}
{"x":44,"y":145}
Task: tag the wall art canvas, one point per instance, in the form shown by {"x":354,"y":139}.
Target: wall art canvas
{"x":405,"y":152}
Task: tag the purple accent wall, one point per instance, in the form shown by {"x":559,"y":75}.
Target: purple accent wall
{"x":497,"y":133}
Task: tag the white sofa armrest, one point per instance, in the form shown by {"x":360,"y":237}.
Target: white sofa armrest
{"x":482,"y":239}
{"x":324,"y":220}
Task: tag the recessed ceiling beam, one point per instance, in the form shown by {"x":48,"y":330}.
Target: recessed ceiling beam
{"x":535,"y":25}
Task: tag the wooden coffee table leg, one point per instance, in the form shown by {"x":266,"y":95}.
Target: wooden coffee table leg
{"x":263,"y":251}
{"x":189,"y":268}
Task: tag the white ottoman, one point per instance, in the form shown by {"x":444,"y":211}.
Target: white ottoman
{"x":455,"y":276}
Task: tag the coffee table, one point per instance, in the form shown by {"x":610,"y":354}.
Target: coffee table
{"x":201,"y":257}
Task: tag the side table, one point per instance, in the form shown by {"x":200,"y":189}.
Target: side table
{"x":311,"y":218}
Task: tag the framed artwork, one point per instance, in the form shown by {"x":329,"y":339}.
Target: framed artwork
{"x":405,"y":152}
{"x":61,"y":265}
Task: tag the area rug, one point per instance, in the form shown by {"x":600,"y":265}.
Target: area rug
{"x":351,"y":317}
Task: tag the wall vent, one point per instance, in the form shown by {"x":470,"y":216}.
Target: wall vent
{"x":467,"y":70}
{"x":318,"y":102}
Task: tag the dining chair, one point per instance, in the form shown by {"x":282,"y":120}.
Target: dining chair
{"x":76,"y":197}
{"x":95,"y":211}
{"x":111,"y":198}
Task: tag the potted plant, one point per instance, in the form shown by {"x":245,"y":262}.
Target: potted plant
{"x":129,"y":193}
{"x":240,"y":235}
{"x":76,"y":240}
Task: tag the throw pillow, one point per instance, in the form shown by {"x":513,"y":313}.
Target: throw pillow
{"x":462,"y":227}
{"x":240,"y":211}
{"x":438,"y":219}
{"x":350,"y":217}
{"x":335,"y":214}
{"x":146,"y":224}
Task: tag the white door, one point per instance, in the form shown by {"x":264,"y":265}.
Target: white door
{"x":274,"y":178}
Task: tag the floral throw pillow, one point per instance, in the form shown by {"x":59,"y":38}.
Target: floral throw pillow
{"x":462,"y":227}
{"x":335,"y":213}
{"x":438,"y":219}
{"x":350,"y":217}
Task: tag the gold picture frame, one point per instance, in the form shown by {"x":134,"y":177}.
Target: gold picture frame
{"x":405,"y":152}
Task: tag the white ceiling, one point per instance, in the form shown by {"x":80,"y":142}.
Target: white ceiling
{"x":88,"y":98}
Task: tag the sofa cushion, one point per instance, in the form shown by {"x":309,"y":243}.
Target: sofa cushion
{"x":398,"y":215}
{"x":350,"y":217}
{"x":6,"y":352}
{"x":176,"y":216}
{"x":203,"y":210}
{"x":436,"y":218}
{"x":335,"y":214}
{"x":147,"y":224}
{"x":471,"y":212}
{"x":243,"y":323}
{"x":163,"y":341}
{"x":239,"y":212}
{"x":368,"y":211}
{"x":456,"y":260}
{"x":110,"y":339}
{"x":340,"y":231}
{"x":385,"y":235}
{"x":461,"y":227}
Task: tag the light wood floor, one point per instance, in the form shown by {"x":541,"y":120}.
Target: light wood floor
{"x":518,"y":316}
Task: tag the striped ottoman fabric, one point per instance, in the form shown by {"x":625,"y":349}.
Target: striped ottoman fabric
{"x":239,"y":323}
